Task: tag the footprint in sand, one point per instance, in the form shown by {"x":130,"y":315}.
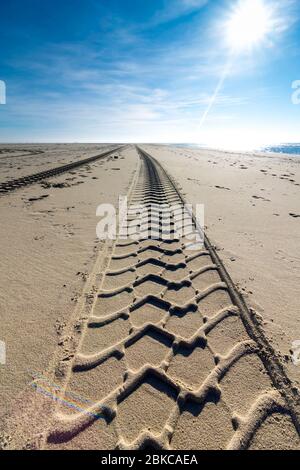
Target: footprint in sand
{"x":262,"y":198}
{"x":223,"y":187}
{"x":38,"y":198}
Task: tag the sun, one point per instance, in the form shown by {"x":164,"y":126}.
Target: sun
{"x":248,"y":25}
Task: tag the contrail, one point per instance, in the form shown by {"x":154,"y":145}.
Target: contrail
{"x":217,"y":91}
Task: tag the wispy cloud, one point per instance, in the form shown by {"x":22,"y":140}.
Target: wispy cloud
{"x":93,"y":95}
{"x":129,"y":81}
{"x":176,"y":9}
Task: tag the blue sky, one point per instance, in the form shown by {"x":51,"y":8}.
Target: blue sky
{"x":144,"y":71}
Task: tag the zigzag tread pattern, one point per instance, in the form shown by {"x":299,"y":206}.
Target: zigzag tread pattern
{"x":166,"y":360}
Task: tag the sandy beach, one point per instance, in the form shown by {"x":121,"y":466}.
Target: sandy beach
{"x":143,"y":344}
{"x":150,"y":231}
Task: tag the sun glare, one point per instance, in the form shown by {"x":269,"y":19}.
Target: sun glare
{"x":248,"y":25}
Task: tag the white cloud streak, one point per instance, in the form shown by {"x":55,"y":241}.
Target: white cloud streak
{"x":175,"y":9}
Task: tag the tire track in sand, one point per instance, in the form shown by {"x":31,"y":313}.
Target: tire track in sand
{"x":171,"y":358}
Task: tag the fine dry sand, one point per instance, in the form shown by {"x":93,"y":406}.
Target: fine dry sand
{"x":142,"y":342}
{"x":48,"y":248}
